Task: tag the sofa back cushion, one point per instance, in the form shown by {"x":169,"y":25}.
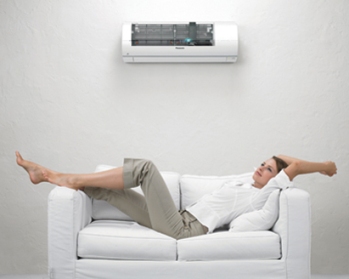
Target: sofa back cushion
{"x":193,"y":187}
{"x":101,"y":210}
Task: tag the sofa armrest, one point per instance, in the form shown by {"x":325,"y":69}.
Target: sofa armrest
{"x":294,"y":228}
{"x":68,"y":212}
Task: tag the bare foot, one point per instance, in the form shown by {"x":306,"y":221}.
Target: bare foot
{"x":40,"y":174}
{"x":35,"y":171}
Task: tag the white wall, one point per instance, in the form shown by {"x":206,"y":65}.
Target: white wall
{"x":68,"y":101}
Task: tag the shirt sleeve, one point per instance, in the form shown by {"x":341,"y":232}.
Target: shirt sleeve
{"x":280,"y":181}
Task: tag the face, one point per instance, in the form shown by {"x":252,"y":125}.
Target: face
{"x":264,"y":173}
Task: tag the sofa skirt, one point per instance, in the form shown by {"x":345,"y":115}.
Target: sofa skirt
{"x":109,"y":269}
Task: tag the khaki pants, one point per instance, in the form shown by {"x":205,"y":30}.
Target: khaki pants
{"x":156,"y":209}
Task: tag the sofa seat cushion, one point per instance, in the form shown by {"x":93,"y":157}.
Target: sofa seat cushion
{"x":230,"y":246}
{"x":124,"y":240}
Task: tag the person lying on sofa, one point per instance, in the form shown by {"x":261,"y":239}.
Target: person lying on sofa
{"x":156,"y":209}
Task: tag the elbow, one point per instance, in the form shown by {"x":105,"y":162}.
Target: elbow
{"x":293,"y":169}
{"x":296,"y":165}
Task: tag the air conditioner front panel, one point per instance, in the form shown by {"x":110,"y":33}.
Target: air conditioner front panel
{"x":223,"y":40}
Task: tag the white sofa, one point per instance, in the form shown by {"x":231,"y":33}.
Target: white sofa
{"x":91,"y":239}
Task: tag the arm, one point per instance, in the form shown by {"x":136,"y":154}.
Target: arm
{"x":297,"y":166}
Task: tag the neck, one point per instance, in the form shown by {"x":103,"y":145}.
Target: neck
{"x":257,"y":185}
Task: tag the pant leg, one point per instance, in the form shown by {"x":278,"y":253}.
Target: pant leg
{"x":156,"y":208}
{"x":163,"y":214}
{"x":127,"y":200}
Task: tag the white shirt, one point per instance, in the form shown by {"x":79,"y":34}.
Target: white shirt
{"x":233,"y":199}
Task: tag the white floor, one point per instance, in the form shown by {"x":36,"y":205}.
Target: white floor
{"x":43,"y":276}
{"x":33,"y":276}
{"x":326,"y":276}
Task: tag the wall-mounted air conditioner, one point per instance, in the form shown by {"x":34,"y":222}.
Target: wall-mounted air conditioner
{"x":212,"y":42}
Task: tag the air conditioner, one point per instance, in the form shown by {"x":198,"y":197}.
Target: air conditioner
{"x":215,"y":42}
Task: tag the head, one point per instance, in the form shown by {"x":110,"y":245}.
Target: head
{"x":267,"y":170}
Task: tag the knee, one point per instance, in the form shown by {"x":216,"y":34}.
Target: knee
{"x":146,"y":164}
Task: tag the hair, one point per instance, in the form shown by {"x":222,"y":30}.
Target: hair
{"x":280,"y":164}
